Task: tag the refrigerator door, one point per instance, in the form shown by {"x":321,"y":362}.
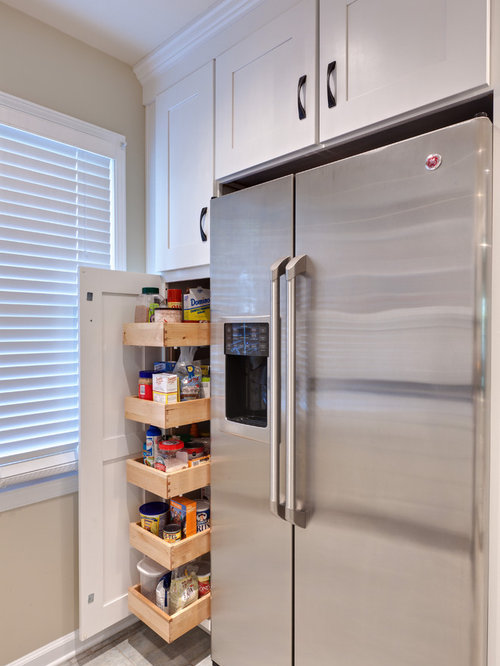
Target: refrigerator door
{"x":251,"y":547}
{"x":392,"y":331}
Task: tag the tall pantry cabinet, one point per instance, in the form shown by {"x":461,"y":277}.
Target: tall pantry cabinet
{"x":112,"y":477}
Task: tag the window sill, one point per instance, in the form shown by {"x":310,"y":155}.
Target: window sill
{"x":14,"y":497}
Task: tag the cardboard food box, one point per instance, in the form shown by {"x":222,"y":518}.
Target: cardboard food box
{"x":165,"y":388}
{"x":183,"y":513}
{"x":196,"y":305}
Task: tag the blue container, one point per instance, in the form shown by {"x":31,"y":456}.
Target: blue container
{"x":154,"y":516}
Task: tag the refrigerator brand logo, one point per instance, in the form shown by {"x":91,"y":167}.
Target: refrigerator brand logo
{"x":433,"y":161}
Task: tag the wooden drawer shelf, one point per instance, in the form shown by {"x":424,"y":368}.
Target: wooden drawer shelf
{"x":168,"y":485}
{"x":165,"y":334}
{"x":169,"y":627}
{"x":167,"y":416}
{"x":169,"y":554}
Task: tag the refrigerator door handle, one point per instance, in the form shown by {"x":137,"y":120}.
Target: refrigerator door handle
{"x":277,"y":271}
{"x":294,"y":515}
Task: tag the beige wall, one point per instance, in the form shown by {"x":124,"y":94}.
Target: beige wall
{"x":42,"y":65}
{"x":38,"y":543}
{"x":38,"y":575}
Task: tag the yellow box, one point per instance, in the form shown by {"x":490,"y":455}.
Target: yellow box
{"x":196,"y":305}
{"x":165,"y":398}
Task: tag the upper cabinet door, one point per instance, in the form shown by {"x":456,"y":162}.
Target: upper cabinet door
{"x":184,"y":170}
{"x":266,"y":92}
{"x":380,"y":58}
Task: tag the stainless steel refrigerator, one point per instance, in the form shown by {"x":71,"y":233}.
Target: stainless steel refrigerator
{"x":350,"y":399}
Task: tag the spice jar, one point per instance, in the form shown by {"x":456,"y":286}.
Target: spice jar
{"x":145,"y":390}
{"x":167,"y":450}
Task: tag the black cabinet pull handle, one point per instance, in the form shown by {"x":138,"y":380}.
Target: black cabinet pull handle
{"x":329,"y":94}
{"x":203,"y":213}
{"x":301,"y":107}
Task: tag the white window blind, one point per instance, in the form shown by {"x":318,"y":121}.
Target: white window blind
{"x":56,"y":214}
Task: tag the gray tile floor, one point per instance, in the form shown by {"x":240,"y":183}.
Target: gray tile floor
{"x":140,"y":645}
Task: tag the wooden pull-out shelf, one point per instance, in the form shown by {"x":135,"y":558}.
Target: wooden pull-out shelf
{"x":169,"y":627}
{"x":167,"y":334}
{"x":167,"y":416}
{"x":170,"y":484}
{"x":170,"y":554}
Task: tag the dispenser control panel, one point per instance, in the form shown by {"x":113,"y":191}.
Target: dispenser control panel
{"x":245,"y":339}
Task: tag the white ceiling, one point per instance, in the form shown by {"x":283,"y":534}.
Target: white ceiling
{"x":125,"y":29}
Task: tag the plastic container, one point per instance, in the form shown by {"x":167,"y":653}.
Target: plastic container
{"x":145,"y":387}
{"x":153,"y":438}
{"x":147,"y":302}
{"x":147,"y":454}
{"x":150,"y":573}
{"x":154,"y":516}
{"x":194,"y":451}
{"x":167,"y":450}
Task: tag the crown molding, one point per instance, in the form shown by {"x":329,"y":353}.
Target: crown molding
{"x":212,"y":22}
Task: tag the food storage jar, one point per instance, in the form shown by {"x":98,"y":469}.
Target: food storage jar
{"x":147,"y":302}
{"x":145,"y":388}
{"x":154,"y":516}
{"x":167,"y":450}
{"x":150,"y":573}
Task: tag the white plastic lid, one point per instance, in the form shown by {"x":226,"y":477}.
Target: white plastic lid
{"x":149,"y":567}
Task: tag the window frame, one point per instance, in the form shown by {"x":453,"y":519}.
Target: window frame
{"x":43,"y":121}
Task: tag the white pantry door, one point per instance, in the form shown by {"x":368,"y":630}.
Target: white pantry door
{"x":107,"y":503}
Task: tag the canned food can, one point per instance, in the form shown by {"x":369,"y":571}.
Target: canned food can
{"x":153,"y":516}
{"x":203,"y":579}
{"x":202,"y":515}
{"x":174,"y":298}
{"x":172,"y":532}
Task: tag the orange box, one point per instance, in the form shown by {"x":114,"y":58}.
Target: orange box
{"x":183,"y":513}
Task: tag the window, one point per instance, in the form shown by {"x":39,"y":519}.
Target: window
{"x":59,"y":207}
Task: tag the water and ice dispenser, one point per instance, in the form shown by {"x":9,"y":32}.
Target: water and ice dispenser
{"x":246,"y":349}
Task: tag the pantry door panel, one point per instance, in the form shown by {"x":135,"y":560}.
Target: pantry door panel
{"x":107,"y":503}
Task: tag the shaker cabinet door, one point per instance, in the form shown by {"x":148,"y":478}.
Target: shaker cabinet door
{"x":266,"y":92}
{"x":183,"y":172}
{"x":107,"y":504}
{"x":381,"y":58}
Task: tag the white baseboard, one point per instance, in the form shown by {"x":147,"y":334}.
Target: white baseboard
{"x":68,"y":646}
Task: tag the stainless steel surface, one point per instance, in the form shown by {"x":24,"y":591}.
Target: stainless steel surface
{"x":277,"y":271}
{"x":293,"y":513}
{"x":251,"y":548}
{"x":393,"y":337}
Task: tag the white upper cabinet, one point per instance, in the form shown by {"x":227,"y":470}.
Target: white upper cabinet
{"x":184,"y":171}
{"x":266,"y":92}
{"x":381,"y":58}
